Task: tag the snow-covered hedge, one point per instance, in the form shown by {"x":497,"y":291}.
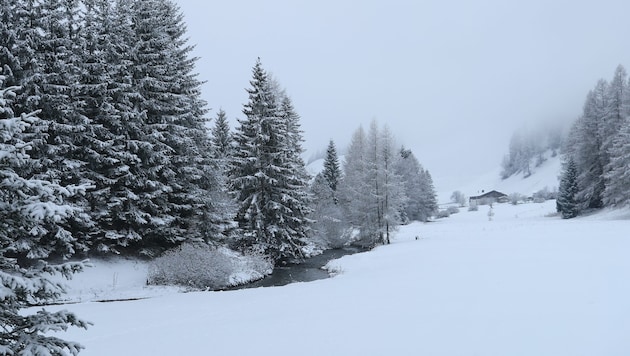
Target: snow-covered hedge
{"x":204,"y":267}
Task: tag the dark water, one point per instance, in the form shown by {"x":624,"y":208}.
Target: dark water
{"x":309,"y":270}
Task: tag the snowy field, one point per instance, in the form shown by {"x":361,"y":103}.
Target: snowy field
{"x":521,"y":284}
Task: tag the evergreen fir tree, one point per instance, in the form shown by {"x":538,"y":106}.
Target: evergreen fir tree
{"x":332,"y":169}
{"x":29,"y":208}
{"x":296,"y":198}
{"x":267,"y":179}
{"x":175,"y":196}
{"x":428,"y":196}
{"x":222,"y":141}
{"x":421,"y":200}
{"x":566,"y":203}
{"x":47,"y":80}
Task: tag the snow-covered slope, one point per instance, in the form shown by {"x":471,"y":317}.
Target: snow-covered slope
{"x":315,"y":167}
{"x":544,"y":176}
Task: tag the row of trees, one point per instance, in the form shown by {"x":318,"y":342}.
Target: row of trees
{"x":104,"y":149}
{"x":120,"y":113}
{"x":597,"y":151}
{"x":378,"y":188}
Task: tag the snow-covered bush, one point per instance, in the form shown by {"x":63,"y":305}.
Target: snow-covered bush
{"x":473,"y":206}
{"x":452,"y":210}
{"x":458,"y":198}
{"x":544,"y":194}
{"x":442,"y":214}
{"x":516,"y":198}
{"x":202,"y":266}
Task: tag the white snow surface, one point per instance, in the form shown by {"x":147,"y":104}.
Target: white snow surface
{"x":525,"y":283}
{"x":112,"y":279}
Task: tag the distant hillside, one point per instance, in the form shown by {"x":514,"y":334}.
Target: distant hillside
{"x":543,"y":176}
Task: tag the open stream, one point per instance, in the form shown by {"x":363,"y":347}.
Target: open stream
{"x":309,"y":270}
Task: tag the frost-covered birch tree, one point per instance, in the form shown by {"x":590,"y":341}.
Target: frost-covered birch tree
{"x":372,"y":192}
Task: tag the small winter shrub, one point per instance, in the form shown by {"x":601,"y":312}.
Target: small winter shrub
{"x":458,"y":198}
{"x":544,"y":194}
{"x":452,"y":210}
{"x":516,"y":198}
{"x":201,"y":266}
{"x":473,"y":206}
{"x":442,"y":214}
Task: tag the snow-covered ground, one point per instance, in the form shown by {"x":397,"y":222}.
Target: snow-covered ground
{"x":521,"y":284}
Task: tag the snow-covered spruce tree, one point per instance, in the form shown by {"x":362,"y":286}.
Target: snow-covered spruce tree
{"x":222,"y":140}
{"x":19,"y":40}
{"x":119,"y":205}
{"x":428,"y":196}
{"x":297,"y":199}
{"x":330,"y":225}
{"x":176,"y":194}
{"x":42,"y":62}
{"x":421,"y":200}
{"x":265,"y":179}
{"x":566,"y":203}
{"x":28,"y":208}
{"x":221,"y":152}
{"x":617,"y":192}
{"x":332,"y":169}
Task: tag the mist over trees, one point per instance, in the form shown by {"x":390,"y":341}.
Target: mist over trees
{"x":528,"y":148}
{"x":596,"y":149}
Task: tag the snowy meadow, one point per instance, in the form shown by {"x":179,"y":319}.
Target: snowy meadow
{"x":524,"y":283}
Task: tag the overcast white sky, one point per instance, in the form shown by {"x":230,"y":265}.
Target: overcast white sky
{"x":452,"y":79}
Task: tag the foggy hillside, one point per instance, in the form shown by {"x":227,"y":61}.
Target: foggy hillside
{"x":544,"y":176}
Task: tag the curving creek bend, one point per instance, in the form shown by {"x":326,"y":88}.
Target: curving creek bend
{"x":309,"y":270}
